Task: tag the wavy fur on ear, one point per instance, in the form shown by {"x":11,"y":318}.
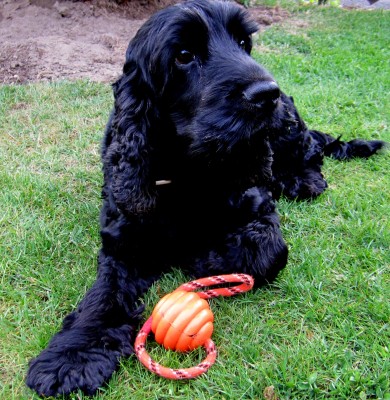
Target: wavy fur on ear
{"x":134,"y":125}
{"x":127,"y":150}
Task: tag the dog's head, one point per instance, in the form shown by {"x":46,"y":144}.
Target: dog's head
{"x":187,"y":71}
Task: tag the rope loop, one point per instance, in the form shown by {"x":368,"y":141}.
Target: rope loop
{"x":193,"y":372}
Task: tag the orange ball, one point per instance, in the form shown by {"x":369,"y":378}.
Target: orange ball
{"x":182,"y":321}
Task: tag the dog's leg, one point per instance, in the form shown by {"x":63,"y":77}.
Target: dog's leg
{"x":356,"y":148}
{"x":256,"y":247}
{"x":85,"y":353}
{"x":299,"y":153}
{"x":298,"y":161}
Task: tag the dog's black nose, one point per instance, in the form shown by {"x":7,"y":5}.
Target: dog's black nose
{"x":262,"y":93}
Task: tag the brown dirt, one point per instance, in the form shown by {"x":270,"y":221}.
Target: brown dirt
{"x":52,"y":40}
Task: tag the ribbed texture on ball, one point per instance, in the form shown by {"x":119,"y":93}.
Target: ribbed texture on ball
{"x":182,"y":321}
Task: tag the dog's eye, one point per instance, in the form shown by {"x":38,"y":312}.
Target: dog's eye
{"x":242,"y":44}
{"x":185,"y":57}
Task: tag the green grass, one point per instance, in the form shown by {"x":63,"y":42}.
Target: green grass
{"x":320,"y":332}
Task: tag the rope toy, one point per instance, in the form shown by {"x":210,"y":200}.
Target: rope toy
{"x":183,"y":321}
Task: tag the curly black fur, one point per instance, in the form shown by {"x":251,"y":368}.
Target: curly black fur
{"x":192,"y":107}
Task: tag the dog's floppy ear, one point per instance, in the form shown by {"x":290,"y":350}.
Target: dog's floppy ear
{"x":134,"y":124}
{"x":127,"y":156}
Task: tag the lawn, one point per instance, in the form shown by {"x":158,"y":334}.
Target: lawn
{"x":320,"y":332}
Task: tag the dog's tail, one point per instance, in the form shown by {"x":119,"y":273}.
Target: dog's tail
{"x":357,"y":148}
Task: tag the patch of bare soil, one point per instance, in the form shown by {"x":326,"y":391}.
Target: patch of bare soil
{"x":52,"y":40}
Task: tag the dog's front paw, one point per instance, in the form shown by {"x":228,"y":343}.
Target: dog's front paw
{"x":53,"y":373}
{"x":77,"y":360}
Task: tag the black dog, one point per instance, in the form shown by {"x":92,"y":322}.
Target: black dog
{"x":200,"y":144}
